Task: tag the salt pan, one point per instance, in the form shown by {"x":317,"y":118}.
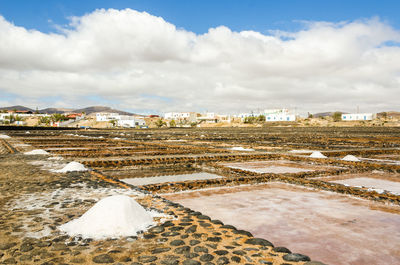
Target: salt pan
{"x":3,"y":136}
{"x":111,"y":217}
{"x":72,"y":166}
{"x":317,"y":154}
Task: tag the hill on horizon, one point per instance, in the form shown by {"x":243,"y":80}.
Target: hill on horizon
{"x":87,"y":110}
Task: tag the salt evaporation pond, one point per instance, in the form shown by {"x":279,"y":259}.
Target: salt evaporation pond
{"x":277,"y":167}
{"x":326,"y":226}
{"x":170,"y":178}
{"x":378,"y":185}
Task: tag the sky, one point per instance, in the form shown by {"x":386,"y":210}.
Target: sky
{"x":218,"y":56}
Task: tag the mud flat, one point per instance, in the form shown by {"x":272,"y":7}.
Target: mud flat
{"x":335,"y":229}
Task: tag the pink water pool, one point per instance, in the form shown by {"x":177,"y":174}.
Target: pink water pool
{"x":332,"y":228}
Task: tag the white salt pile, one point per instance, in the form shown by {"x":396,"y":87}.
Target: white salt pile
{"x":3,"y":136}
{"x":239,"y":148}
{"x":27,"y":132}
{"x":37,"y":152}
{"x":55,"y":158}
{"x":317,"y":154}
{"x":111,"y":217}
{"x":351,"y":158}
{"x":72,"y":166}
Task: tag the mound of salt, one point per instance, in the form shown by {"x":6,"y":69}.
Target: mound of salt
{"x":111,"y":217}
{"x":3,"y":136}
{"x":351,"y":158}
{"x":239,"y":148}
{"x":55,"y":158}
{"x":317,"y":154}
{"x":27,"y":132}
{"x":37,"y":152}
{"x":72,"y":166}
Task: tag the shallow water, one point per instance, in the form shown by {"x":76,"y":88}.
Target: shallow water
{"x":277,"y":167}
{"x":378,"y":185}
{"x":329,"y":227}
{"x":170,"y":178}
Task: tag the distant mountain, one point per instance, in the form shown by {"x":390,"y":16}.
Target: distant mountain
{"x":18,"y":107}
{"x":393,"y":114}
{"x":88,"y":110}
{"x":55,"y":110}
{"x":326,"y":114}
{"x":95,"y":109}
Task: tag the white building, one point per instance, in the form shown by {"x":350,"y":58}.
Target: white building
{"x":280,"y":117}
{"x":104,"y":116}
{"x":121,"y":120}
{"x":358,"y":117}
{"x":181,"y":116}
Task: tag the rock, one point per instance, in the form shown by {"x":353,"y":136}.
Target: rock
{"x":160,"y":250}
{"x":214,"y":239}
{"x":281,"y":250}
{"x":203,"y":217}
{"x":191,"y":255}
{"x":5,"y":246}
{"x":25,"y":247}
{"x":78,"y":260}
{"x":170,"y":234}
{"x":239,"y":252}
{"x":170,"y":261}
{"x":60,"y":247}
{"x":147,"y":259}
{"x":242,"y":232}
{"x":191,"y":262}
{"x":259,"y":241}
{"x":222,"y":260}
{"x":194,"y":242}
{"x":191,"y":229}
{"x":182,"y":250}
{"x":236,"y":259}
{"x":206,"y":257}
{"x":157,"y":229}
{"x":217,"y":222}
{"x":295,"y":257}
{"x":103,"y":258}
{"x":177,"y":243}
{"x":200,"y":249}
{"x":221,"y":252}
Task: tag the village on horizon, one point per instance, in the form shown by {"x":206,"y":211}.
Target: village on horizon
{"x":105,"y":117}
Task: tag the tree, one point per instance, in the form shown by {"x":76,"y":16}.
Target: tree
{"x":261,"y":118}
{"x":44,"y":120}
{"x":160,"y":123}
{"x":172,"y":123}
{"x":337,"y":116}
{"x":310,"y":115}
{"x":113,"y":122}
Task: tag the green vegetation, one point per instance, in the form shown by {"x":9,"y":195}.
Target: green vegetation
{"x":160,"y":123}
{"x":337,"y":116}
{"x":172,"y":123}
{"x":251,"y":120}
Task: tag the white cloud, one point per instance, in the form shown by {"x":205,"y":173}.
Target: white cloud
{"x":141,"y":61}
